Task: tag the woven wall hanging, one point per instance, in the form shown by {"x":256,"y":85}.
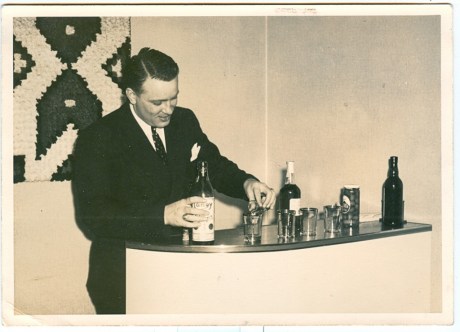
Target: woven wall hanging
{"x":67,"y":74}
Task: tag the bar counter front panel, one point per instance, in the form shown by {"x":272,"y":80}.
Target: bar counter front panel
{"x":365,"y":270}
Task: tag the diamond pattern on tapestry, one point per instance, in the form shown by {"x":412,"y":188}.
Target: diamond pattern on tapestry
{"x":69,"y":36}
{"x":114,"y":65}
{"x":67,"y":100}
{"x":22,"y":62}
{"x":67,"y":75}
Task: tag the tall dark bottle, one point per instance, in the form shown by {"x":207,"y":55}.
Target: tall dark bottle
{"x":289,"y":198}
{"x":392,"y":196}
{"x":202,"y":187}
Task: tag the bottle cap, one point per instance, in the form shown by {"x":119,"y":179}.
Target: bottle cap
{"x":393,"y":161}
{"x":351,"y":186}
{"x":201,"y":163}
{"x":290,"y":167}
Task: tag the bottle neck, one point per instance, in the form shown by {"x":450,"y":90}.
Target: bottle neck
{"x":203,"y":174}
{"x":289,"y":178}
{"x":393,"y":172}
{"x":289,"y":173}
{"x":202,"y":171}
{"x":393,"y":167}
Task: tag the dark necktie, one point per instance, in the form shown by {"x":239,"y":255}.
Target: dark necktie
{"x":159,"y":147}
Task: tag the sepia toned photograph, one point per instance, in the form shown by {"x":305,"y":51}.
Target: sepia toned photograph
{"x":239,"y":165}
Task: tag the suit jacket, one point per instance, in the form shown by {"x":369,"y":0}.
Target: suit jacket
{"x":121,"y":186}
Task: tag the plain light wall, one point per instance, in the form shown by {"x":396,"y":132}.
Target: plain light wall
{"x":350,"y":92}
{"x":51,"y":255}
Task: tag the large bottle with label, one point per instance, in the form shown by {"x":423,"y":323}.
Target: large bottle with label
{"x":392,"y":196}
{"x":289,"y":198}
{"x":202,"y":187}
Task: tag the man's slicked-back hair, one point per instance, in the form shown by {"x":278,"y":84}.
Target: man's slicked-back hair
{"x":148,"y":63}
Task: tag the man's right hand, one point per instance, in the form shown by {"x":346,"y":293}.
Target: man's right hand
{"x":182,"y":214}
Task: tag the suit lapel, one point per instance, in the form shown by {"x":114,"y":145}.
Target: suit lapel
{"x":134,"y":138}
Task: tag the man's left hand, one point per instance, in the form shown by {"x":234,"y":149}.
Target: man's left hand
{"x":260,"y":192}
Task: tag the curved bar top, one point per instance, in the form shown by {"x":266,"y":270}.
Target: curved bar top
{"x":232,"y":240}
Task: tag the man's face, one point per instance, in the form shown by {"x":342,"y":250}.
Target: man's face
{"x":155,"y":103}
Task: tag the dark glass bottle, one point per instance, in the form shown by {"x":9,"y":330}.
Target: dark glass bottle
{"x":289,"y":198}
{"x":392,"y":197}
{"x":203,"y":188}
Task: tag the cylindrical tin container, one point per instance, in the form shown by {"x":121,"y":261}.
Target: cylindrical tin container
{"x":349,"y":199}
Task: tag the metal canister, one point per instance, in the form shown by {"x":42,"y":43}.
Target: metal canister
{"x":349,"y":199}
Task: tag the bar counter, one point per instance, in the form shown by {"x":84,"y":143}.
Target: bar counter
{"x":232,"y":240}
{"x":365,"y":270}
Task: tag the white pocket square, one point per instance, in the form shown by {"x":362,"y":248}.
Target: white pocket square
{"x":195,"y":151}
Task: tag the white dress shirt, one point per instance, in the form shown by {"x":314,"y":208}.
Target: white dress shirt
{"x":147,"y":129}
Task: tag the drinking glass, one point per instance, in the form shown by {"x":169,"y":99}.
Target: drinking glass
{"x":309,"y":220}
{"x":286,"y":227}
{"x":252,"y":227}
{"x":332,"y":218}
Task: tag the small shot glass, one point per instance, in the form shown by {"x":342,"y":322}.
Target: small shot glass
{"x":285,"y":219}
{"x":332,"y":218}
{"x":252,"y":224}
{"x":309,"y":218}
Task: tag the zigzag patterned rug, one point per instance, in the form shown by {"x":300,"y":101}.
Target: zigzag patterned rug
{"x":67,"y":74}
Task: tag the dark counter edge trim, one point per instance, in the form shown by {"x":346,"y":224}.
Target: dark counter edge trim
{"x":276,"y":247}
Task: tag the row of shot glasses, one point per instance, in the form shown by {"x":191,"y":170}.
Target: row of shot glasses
{"x":291,"y":224}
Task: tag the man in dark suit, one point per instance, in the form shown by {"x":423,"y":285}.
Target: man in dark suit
{"x":132,"y":169}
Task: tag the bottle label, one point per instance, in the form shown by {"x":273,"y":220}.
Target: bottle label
{"x":346,"y":203}
{"x":349,"y":201}
{"x":205,"y":232}
{"x":294,"y":204}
